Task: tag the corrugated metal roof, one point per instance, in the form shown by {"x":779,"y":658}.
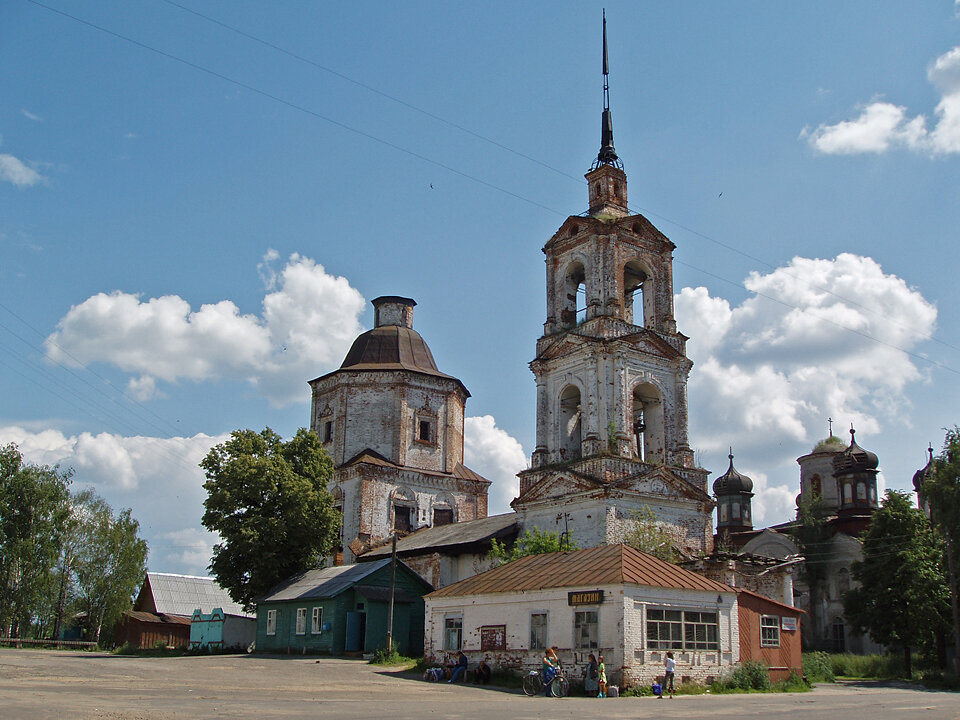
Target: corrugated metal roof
{"x":604,"y":565}
{"x":764,"y":598}
{"x":450,"y":536}
{"x":182,"y":594}
{"x":323,"y":583}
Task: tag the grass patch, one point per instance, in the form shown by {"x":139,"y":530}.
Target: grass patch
{"x":817,"y":667}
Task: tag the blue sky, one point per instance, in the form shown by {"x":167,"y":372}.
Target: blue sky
{"x":194,"y":218}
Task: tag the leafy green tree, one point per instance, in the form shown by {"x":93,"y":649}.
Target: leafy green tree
{"x":941,"y":492}
{"x":903,"y":597}
{"x":109,"y":561}
{"x":268,"y":501}
{"x":645,"y":533}
{"x":532,"y":542}
{"x":33,"y":508}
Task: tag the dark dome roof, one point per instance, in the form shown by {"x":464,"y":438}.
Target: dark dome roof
{"x":924,"y":473}
{"x":391,"y":347}
{"x":732,"y":482}
{"x":854,"y":458}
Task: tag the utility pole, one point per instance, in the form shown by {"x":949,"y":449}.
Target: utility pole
{"x":393,"y":587}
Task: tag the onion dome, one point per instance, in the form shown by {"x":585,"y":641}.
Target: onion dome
{"x":732,"y":481}
{"x":854,"y":458}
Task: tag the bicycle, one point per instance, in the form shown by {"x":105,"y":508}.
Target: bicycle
{"x":533,"y":684}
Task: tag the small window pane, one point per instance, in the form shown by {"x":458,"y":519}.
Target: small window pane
{"x":316,"y":621}
{"x":301,"y":621}
{"x":585,"y":630}
{"x":452,"y":633}
{"x":538,"y":631}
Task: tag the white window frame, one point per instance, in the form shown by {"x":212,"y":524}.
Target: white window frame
{"x":546,"y":630}
{"x":770,"y":631}
{"x":316,"y":620}
{"x":301,"y":621}
{"x":448,"y":628}
{"x":683,"y":629}
{"x":271,"y":622}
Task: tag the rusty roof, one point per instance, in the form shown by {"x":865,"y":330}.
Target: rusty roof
{"x":372,"y":457}
{"x":764,"y":598}
{"x":604,"y":565}
{"x":448,"y":538}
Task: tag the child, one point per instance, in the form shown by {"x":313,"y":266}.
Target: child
{"x":602,"y":678}
{"x":670,"y":666}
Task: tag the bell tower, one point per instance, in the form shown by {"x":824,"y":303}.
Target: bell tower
{"x":611,"y":372}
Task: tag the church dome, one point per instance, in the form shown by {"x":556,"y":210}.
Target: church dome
{"x":391,"y":347}
{"x":732,"y":481}
{"x":854,"y":458}
{"x":923,"y":474}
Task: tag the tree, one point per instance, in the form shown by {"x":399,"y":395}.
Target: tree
{"x":532,"y":542}
{"x":903,"y":597}
{"x":941,"y":492}
{"x":109,"y":560}
{"x":33,"y":508}
{"x":645,"y":533}
{"x":268,"y":501}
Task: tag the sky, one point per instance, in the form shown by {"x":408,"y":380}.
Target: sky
{"x":199,"y":200}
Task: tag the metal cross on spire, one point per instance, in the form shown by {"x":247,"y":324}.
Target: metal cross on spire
{"x":607,"y":154}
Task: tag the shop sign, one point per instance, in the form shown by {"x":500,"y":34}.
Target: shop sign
{"x":585,"y":597}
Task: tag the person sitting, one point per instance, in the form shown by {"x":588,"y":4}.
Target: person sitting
{"x":590,"y":677}
{"x":481,"y":674}
{"x":458,"y":669}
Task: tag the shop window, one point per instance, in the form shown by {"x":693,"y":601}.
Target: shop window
{"x":769,"y":631}
{"x":682,"y":630}
{"x":271,"y":622}
{"x":585,"y":630}
{"x":538,"y":631}
{"x":452,"y":632}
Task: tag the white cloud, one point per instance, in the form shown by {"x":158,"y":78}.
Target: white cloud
{"x":497,"y":456}
{"x":14,"y":171}
{"x":882,"y":126}
{"x":30,"y":116}
{"x":770,"y":371}
{"x":159,"y":479}
{"x":309,"y":320}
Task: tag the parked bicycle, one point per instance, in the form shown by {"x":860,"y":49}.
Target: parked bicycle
{"x":533,"y":684}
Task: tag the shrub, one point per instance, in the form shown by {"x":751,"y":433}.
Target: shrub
{"x":382,"y":657}
{"x":867,"y":666}
{"x":637,"y":691}
{"x":817,"y":667}
{"x":748,"y":675}
{"x":794,"y":683}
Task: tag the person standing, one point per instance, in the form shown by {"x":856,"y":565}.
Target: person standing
{"x":551,"y":664}
{"x":602,"y":677}
{"x":591,"y":677}
{"x":670,"y":666}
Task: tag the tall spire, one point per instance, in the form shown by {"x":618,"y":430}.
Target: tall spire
{"x":607,"y":155}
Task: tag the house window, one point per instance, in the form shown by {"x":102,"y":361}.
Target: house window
{"x":301,"y":621}
{"x":452,"y":632}
{"x":585,"y":630}
{"x":316,"y":621}
{"x":538,"y":631}
{"x":493,"y":637}
{"x":328,"y":431}
{"x":769,"y":631}
{"x":442,"y":516}
{"x":271,"y":622}
{"x":682,"y":629}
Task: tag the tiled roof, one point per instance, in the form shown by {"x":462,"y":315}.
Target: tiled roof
{"x":323,"y":583}
{"x":450,"y":536}
{"x":182,"y":594}
{"x":604,"y":565}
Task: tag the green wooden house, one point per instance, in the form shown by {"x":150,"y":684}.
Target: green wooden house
{"x":343,"y":609}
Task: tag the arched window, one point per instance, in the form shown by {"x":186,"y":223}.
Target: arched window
{"x":847,"y":493}
{"x":403,"y":508}
{"x":443,"y":511}
{"x":861,"y":491}
{"x":637,"y":294}
{"x":648,"y":423}
{"x":574,"y":295}
{"x":839,"y":636}
{"x":570,"y":423}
